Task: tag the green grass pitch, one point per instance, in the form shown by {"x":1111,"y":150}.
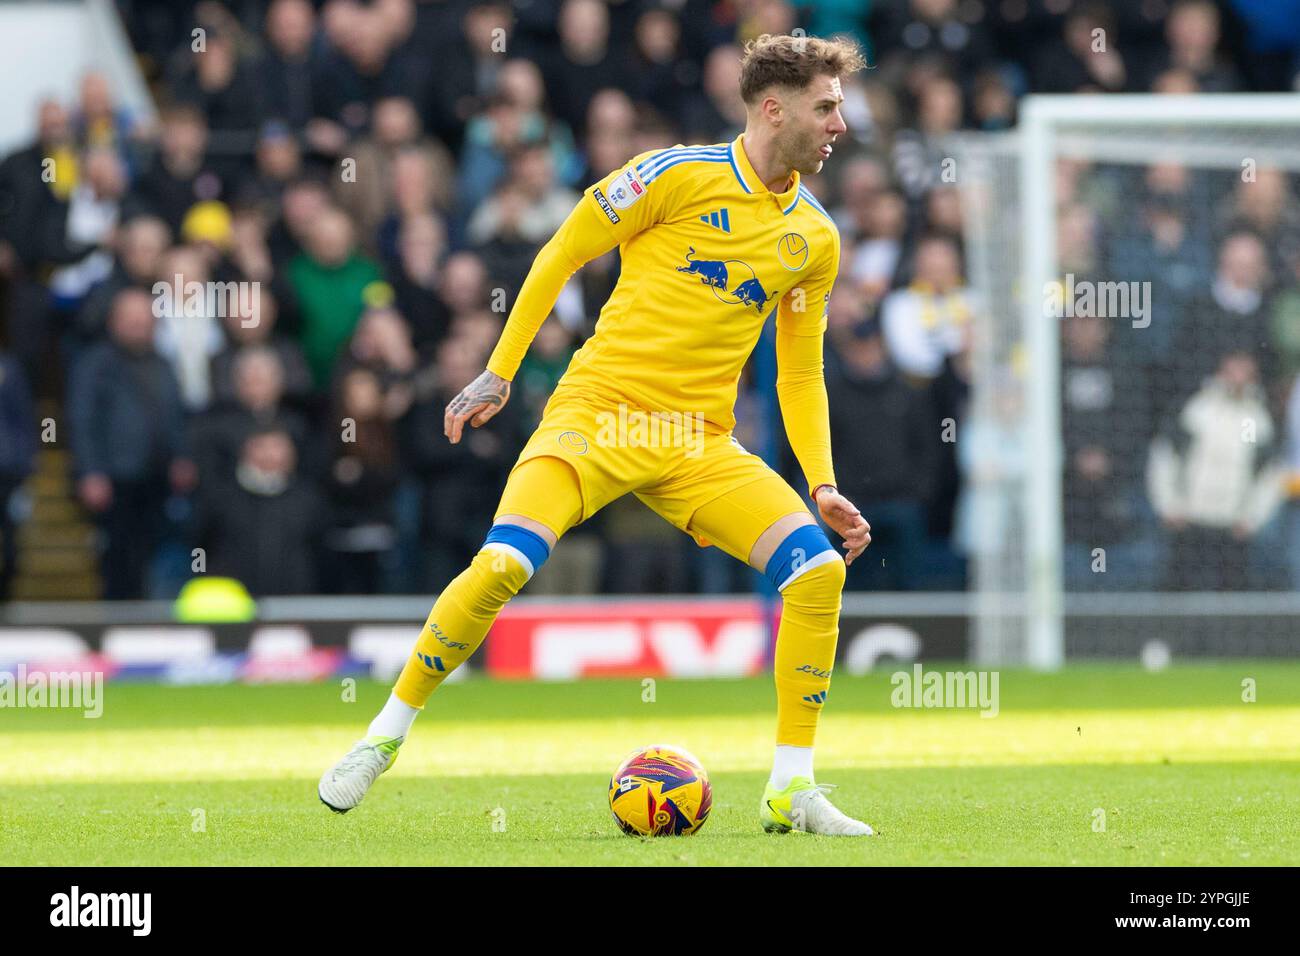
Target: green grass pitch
{"x":1098,"y":765}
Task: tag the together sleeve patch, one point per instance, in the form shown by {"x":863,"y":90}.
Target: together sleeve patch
{"x":604,"y":204}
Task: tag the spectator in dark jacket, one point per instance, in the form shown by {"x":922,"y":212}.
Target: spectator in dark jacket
{"x":127,"y":441}
{"x":362,"y":480}
{"x":263,"y":526}
{"x":28,"y":196}
{"x":140,"y":245}
{"x":660,"y":73}
{"x":242,"y":336}
{"x":883,"y":434}
{"x":950,"y":395}
{"x":180,"y":174}
{"x":224,"y":88}
{"x":361,"y":66}
{"x":585,"y":63}
{"x":1082,"y":60}
{"x":939,"y":33}
{"x":1105,"y":420}
{"x":718,"y":114}
{"x":382,"y":345}
{"x":17,"y":458}
{"x":415,"y":278}
{"x":286,"y":73}
{"x":218,"y":435}
{"x":1192,"y":29}
{"x":1163,"y":248}
{"x":36,"y":184}
{"x":1234,"y":315}
{"x":459,"y":481}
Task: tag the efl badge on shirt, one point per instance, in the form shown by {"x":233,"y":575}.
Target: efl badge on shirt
{"x":626,"y":190}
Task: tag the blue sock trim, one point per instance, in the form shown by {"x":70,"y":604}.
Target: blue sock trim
{"x":530,"y":543}
{"x":791,"y":554}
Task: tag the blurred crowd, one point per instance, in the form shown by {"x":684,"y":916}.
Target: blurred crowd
{"x":1182,"y":424}
{"x":384,"y":172}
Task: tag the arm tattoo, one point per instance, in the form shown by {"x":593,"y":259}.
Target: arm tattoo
{"x":488,"y":389}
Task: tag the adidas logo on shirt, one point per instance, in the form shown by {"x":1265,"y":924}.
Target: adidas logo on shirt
{"x":717,"y":219}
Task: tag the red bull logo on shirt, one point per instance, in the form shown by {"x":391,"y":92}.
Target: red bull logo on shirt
{"x":720,"y":274}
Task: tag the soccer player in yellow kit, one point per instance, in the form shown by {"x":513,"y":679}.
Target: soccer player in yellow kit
{"x":712,"y":238}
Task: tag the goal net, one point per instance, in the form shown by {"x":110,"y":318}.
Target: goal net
{"x":1127,"y":453}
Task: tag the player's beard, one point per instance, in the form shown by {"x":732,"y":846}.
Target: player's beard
{"x":801,"y":152}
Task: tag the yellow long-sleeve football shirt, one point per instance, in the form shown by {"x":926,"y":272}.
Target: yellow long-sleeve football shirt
{"x":707,"y":251}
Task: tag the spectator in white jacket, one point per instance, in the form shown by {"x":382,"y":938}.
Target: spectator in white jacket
{"x":926,"y":322}
{"x":1215,"y":477}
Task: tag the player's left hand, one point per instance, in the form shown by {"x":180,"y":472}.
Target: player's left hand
{"x":846,"y":520}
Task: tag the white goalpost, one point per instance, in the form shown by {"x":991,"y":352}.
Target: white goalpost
{"x":1089,"y":160}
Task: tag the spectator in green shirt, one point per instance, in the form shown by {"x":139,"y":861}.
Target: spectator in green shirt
{"x":330,"y":280}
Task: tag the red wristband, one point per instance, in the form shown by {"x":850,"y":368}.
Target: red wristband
{"x":820,"y":487}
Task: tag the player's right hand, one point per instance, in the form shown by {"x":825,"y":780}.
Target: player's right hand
{"x":477,"y":403}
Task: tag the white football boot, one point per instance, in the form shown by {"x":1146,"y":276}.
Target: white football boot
{"x":803,"y":806}
{"x":345,"y":784}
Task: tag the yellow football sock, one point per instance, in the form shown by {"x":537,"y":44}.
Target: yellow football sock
{"x":805,"y":650}
{"x":463,"y":614}
{"x":543,"y":489}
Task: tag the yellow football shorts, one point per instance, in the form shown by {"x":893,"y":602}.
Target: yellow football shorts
{"x":675,"y":463}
